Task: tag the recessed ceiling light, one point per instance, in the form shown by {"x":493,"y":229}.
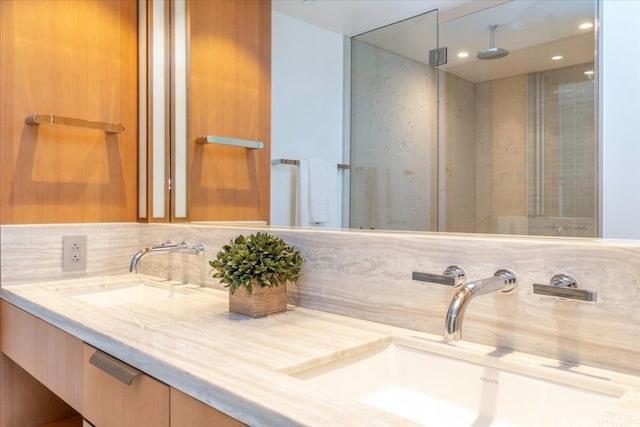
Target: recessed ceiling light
{"x":556,"y":57}
{"x":589,"y":73}
{"x":586,"y":25}
{"x":463,"y":54}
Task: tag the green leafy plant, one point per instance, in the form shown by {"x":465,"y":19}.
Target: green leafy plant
{"x":260,"y":259}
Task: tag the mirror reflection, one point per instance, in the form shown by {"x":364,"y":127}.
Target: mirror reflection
{"x":501,"y":140}
{"x":502,"y":136}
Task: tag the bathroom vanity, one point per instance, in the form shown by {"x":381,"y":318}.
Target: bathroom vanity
{"x":67,"y":367}
{"x":189,"y":361}
{"x":185,"y":354}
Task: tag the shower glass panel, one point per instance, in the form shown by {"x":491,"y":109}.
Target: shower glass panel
{"x":394,"y":127}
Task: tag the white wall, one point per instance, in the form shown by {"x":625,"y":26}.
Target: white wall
{"x":620,"y":118}
{"x":306,"y":109}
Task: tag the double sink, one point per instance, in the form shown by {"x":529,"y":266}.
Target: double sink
{"x":431,"y":382}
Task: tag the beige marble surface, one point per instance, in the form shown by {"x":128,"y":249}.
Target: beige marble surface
{"x":367,"y":275}
{"x":187,"y":339}
{"x":33,"y":252}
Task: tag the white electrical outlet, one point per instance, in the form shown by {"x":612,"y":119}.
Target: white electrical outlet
{"x":74,"y":253}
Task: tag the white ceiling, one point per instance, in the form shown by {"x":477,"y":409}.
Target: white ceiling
{"x":532,"y":30}
{"x":353,"y":17}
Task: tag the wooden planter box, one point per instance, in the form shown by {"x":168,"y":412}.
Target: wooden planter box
{"x":262,"y":302}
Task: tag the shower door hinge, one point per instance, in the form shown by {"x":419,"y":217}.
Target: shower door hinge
{"x":437,"y":56}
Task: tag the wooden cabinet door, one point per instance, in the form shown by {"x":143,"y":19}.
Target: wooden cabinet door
{"x":75,"y":59}
{"x":189,"y":412}
{"x":110,"y":402}
{"x":229,"y":96}
{"x":50,"y":355}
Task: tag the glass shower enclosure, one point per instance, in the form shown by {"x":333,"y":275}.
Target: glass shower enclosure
{"x":449,"y":141}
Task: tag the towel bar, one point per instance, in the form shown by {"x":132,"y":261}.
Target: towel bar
{"x":50,"y":119}
{"x":297,"y":163}
{"x":210,"y":139}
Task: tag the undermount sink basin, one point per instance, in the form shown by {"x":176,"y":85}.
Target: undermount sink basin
{"x":134,"y":291}
{"x":122,"y":295}
{"x":435,"y":390}
{"x":145,"y":301}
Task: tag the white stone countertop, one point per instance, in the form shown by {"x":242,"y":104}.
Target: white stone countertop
{"x":188,"y":340}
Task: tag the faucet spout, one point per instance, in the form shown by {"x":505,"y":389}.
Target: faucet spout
{"x":136,"y":259}
{"x":503,"y":281}
{"x":169,"y":246}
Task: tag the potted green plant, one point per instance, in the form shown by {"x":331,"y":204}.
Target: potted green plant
{"x":256,"y":269}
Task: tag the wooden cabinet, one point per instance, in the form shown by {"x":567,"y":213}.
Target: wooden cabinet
{"x":49,"y":378}
{"x":189,"y":412}
{"x":74,"y":59}
{"x":229,"y":81}
{"x":50,"y":355}
{"x":24,"y":401}
{"x":110,"y":401}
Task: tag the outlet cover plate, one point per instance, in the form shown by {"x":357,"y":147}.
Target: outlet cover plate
{"x":74,"y":253}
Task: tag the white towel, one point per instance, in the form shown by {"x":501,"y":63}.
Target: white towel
{"x":313,"y":192}
{"x":302,"y":195}
{"x":318,"y":191}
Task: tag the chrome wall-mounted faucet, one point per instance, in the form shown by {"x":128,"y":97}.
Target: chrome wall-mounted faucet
{"x":503,"y":281}
{"x":169,"y":246}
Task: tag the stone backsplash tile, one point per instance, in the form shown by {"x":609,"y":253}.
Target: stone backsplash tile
{"x":30,"y":253}
{"x":368,"y":275}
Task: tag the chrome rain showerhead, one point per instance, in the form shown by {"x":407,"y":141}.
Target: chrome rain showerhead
{"x":492,"y":52}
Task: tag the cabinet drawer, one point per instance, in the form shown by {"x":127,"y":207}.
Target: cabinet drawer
{"x":50,"y":355}
{"x":188,"y":412}
{"x":110,"y":401}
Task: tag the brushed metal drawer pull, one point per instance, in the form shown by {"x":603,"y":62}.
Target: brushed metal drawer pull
{"x":114,"y":367}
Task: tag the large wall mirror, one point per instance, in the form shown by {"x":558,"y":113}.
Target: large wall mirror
{"x":491,"y":141}
{"x":504,"y":145}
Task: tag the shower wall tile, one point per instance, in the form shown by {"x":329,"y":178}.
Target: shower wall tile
{"x":457,"y":124}
{"x":570,"y":143}
{"x":501,"y":135}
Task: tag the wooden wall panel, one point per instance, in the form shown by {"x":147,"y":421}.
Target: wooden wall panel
{"x":75,"y":59}
{"x":229,"y":96}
